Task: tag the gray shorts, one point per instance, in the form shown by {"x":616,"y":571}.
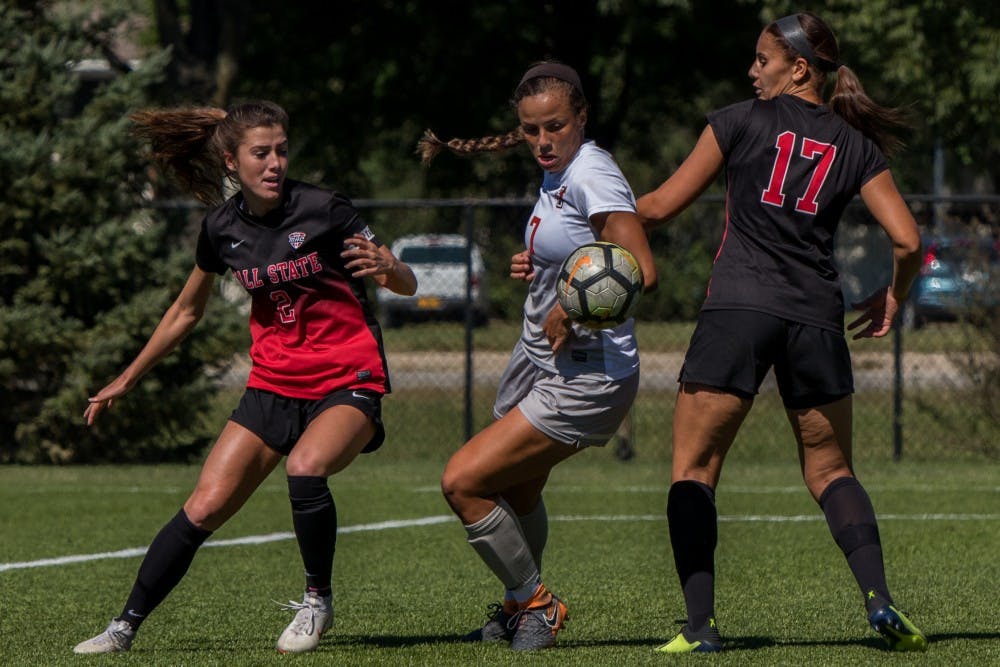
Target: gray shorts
{"x":581,"y":411}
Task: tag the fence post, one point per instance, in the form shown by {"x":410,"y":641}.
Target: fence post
{"x":468,"y":222}
{"x":897,"y":389}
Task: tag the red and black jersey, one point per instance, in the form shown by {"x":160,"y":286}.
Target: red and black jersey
{"x":791,"y":169}
{"x":312,"y":326}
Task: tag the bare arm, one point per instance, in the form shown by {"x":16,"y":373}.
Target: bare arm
{"x":695,"y":174}
{"x":367,"y":259}
{"x":180,"y":318}
{"x":887,"y":206}
{"x":625,"y":229}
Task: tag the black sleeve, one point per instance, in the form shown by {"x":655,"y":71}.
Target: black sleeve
{"x":874,"y":162}
{"x":206,"y":255}
{"x":728,"y":123}
{"x":344,"y":217}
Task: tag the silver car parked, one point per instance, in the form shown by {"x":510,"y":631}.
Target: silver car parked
{"x":440,"y":263}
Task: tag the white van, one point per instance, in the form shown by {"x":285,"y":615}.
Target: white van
{"x":439,"y":262}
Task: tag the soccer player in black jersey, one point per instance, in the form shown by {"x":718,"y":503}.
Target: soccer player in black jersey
{"x":792,"y":162}
{"x":319,"y":372}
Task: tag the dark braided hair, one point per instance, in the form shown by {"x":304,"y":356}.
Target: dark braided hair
{"x":430,"y":145}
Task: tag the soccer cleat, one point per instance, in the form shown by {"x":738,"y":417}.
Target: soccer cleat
{"x":897,"y":629}
{"x":500,"y":623}
{"x":117,"y":638}
{"x":538,"y":621}
{"x":313,"y":617}
{"x":705,"y":640}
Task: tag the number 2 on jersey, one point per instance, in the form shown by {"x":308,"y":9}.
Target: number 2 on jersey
{"x":283,"y":304}
{"x":811,"y":149}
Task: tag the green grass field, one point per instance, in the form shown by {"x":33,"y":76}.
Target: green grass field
{"x":404,"y":593}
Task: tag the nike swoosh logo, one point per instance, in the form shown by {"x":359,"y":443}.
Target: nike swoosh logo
{"x":236,"y":244}
{"x":357,"y":395}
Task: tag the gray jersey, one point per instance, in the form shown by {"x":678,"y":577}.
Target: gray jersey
{"x":560,"y":222}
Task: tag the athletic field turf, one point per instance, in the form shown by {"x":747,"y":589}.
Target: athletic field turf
{"x":407,"y":585}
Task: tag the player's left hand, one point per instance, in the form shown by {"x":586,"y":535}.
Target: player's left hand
{"x":521,"y":268}
{"x":364,"y":258}
{"x":557,"y":328}
{"x":878,"y":310}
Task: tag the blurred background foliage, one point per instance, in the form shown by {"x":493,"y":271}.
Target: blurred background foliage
{"x":90,"y":255}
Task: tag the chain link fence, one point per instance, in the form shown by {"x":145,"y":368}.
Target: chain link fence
{"x":931,"y":389}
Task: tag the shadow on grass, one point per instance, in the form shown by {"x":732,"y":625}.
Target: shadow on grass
{"x":737,"y":643}
{"x":391,"y":641}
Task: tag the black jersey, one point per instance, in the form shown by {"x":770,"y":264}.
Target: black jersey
{"x":791,"y":169}
{"x":311,"y":323}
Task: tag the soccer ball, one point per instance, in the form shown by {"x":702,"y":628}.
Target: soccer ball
{"x":599,"y":285}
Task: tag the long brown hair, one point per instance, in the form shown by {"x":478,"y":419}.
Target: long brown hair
{"x":189,"y":143}
{"x":429,"y":145}
{"x":848,"y":99}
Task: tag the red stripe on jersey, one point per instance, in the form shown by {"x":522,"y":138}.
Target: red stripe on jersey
{"x":312,"y":339}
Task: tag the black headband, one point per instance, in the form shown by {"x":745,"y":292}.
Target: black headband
{"x":792,"y":31}
{"x":556,"y":71}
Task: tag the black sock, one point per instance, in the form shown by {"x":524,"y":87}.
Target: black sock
{"x":314,"y":517}
{"x":851,"y":518}
{"x":166,"y":561}
{"x":693,"y":521}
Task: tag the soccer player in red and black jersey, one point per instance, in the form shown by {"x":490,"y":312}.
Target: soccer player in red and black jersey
{"x":792,"y":163}
{"x":319,"y":372}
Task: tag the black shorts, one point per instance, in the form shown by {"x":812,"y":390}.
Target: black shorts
{"x":733,"y":350}
{"x":280,"y":421}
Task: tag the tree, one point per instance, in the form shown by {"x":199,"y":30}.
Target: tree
{"x":86,"y":268}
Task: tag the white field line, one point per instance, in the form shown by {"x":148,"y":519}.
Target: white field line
{"x":433,"y":520}
{"x":753,"y":490}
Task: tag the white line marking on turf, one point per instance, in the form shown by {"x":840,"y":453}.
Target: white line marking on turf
{"x":434,"y":520}
{"x":752,"y":490}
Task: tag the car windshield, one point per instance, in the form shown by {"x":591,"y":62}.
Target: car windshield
{"x":442,"y":254}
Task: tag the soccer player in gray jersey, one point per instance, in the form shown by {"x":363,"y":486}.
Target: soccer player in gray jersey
{"x":566,"y":387}
{"x":792,"y":163}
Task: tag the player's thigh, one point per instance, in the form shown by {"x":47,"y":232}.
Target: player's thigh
{"x":506,"y":454}
{"x":706,"y":420}
{"x":824,"y":439}
{"x":236,"y":465}
{"x":331,"y":441}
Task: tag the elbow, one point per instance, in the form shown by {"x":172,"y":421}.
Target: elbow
{"x":649,"y":214}
{"x":913,"y":246}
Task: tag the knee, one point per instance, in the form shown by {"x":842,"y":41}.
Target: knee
{"x":456,"y":487}
{"x":302,"y":463}
{"x":206,"y":510}
{"x":450,"y":484}
{"x":818,"y":480}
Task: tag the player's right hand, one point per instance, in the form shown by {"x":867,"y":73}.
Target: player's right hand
{"x":104,"y":399}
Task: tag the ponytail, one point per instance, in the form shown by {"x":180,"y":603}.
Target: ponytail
{"x":849,"y":100}
{"x":878,"y":123}
{"x":541,"y":77}
{"x":189,"y":144}
{"x":429,"y":146}
{"x":181,"y":145}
